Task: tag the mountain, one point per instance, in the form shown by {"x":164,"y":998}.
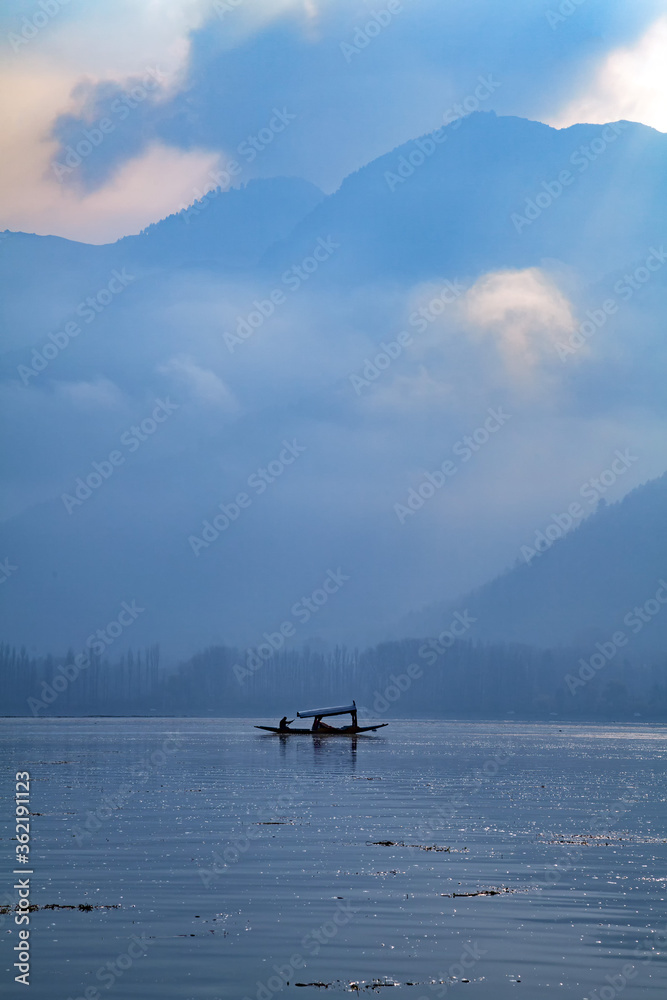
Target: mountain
{"x":231,"y":229}
{"x":488,"y":195}
{"x":228,"y":230}
{"x":205,"y":319}
{"x":579,"y":589}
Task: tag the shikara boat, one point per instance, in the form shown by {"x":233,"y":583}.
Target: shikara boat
{"x":324,"y":730}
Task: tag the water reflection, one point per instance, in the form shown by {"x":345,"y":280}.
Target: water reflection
{"x":343,"y":750}
{"x":335,"y":754}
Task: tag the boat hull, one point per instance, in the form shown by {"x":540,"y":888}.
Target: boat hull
{"x":322,"y":732}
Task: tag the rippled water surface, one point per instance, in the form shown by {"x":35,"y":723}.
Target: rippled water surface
{"x":433,"y":859}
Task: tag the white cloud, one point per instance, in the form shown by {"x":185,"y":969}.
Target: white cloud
{"x":244,"y":18}
{"x":92,"y":395}
{"x":410,"y":393}
{"x":523,"y":311}
{"x":115,"y":39}
{"x":630,"y":84}
{"x":146,"y":188}
{"x":205,"y":385}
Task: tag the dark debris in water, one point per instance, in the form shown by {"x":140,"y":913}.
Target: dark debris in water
{"x":482,"y":892}
{"x":393,"y":871}
{"x":602,"y":840}
{"x":421,"y":847}
{"x":30,"y":763}
{"x":63,"y":906}
{"x":377,"y":984}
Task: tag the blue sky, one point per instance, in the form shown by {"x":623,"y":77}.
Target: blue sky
{"x":208,"y":76}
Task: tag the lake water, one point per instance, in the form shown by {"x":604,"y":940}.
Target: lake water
{"x":223,"y":863}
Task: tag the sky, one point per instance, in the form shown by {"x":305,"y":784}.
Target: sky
{"x":347,"y":84}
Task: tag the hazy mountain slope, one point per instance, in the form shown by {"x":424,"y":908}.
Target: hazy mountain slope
{"x":452,"y":214}
{"x":43,"y":278}
{"x":232,"y":228}
{"x":167,"y":334}
{"x":581,"y":587}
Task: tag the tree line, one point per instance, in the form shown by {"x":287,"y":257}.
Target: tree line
{"x":393,"y":679}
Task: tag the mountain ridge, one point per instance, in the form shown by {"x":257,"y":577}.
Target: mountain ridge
{"x":540,"y":600}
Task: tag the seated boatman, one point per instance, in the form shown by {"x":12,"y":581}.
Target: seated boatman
{"x":318,"y":724}
{"x":284,"y":722}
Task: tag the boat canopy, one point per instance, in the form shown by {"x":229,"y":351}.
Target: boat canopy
{"x":312,"y":712}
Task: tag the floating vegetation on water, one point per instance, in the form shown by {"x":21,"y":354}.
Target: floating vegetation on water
{"x":356,"y":986}
{"x":482,"y":892}
{"x":63,"y":906}
{"x":602,"y":840}
{"x":374,"y":984}
{"x":420,"y":847}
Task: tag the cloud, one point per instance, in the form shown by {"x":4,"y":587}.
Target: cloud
{"x":205,"y":385}
{"x":407,"y":394}
{"x":630,"y":84}
{"x":112,"y":123}
{"x":107,"y":40}
{"x":91,"y":395}
{"x":244,"y":18}
{"x":523,"y":311}
{"x":147,"y":187}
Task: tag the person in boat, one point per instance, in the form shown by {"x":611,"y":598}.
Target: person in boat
{"x":319,"y":725}
{"x":284,"y":722}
